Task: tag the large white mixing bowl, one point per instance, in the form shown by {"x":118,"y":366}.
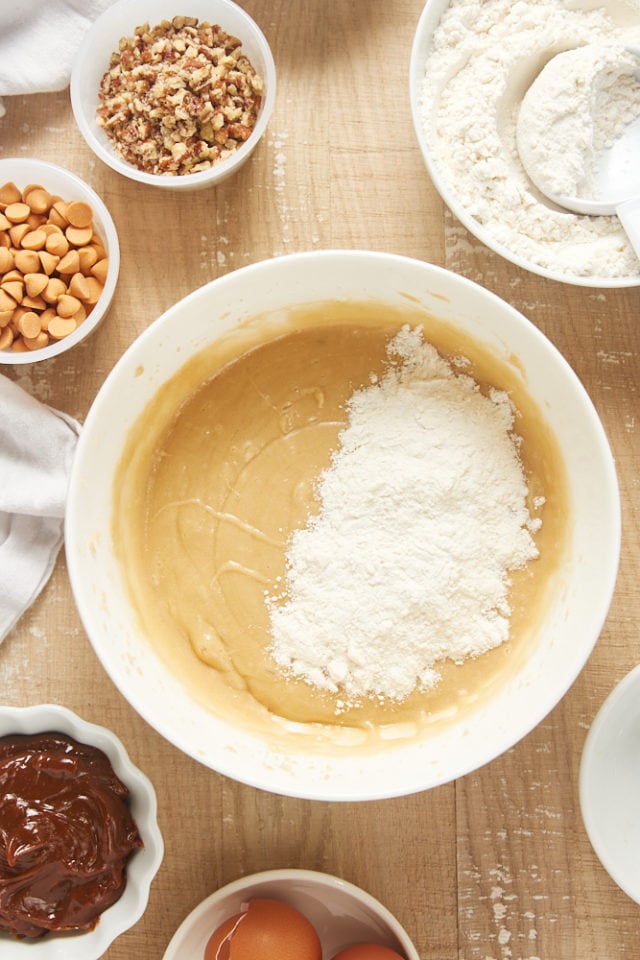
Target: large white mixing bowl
{"x":572,"y":620}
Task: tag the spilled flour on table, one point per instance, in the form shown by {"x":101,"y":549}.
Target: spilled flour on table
{"x":423,"y":514}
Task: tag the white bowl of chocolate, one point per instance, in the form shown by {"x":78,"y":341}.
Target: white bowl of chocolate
{"x":80,"y":844}
{"x":337,"y":509}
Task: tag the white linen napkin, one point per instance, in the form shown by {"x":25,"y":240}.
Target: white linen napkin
{"x":39,"y":40}
{"x":37,"y":444}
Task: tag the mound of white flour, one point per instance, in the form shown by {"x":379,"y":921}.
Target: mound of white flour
{"x":485,"y":53}
{"x":423,"y":514}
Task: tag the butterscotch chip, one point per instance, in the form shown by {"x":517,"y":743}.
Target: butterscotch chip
{"x":57,"y":244}
{"x":33,"y":303}
{"x":54,"y":289}
{"x":38,"y":342}
{"x":35,"y":283}
{"x":88,"y":256}
{"x":6,"y":260}
{"x":27,"y":261}
{"x":28,"y":188}
{"x":6,"y":302}
{"x":48,"y":261}
{"x":80,"y":315}
{"x":4,"y":223}
{"x":46,"y":317}
{"x":15,"y":289}
{"x":79,"y":214}
{"x":17,"y":212}
{"x":13,"y":275}
{"x":29,"y":325}
{"x":100,"y":271}
{"x":70,"y":263}
{"x":67,"y":305}
{"x":60,"y":327}
{"x":37,"y":199}
{"x":35,"y":221}
{"x":34,"y":240}
{"x":17,"y":232}
{"x":9,"y":193}
{"x":58,"y":214}
{"x":78,"y":236}
{"x":79,"y":287}
{"x":95,"y":290}
{"x":5,"y":317}
{"x":6,"y":338}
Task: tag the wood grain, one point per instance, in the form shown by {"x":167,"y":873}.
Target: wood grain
{"x":496,"y":866}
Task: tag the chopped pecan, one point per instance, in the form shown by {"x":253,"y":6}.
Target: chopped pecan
{"x":179,"y":97}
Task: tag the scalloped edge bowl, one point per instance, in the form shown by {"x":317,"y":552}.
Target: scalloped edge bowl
{"x":144,"y":863}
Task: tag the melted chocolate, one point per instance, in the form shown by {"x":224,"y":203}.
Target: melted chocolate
{"x":66,"y":834}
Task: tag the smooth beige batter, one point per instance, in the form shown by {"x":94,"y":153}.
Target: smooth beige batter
{"x":220,"y":469}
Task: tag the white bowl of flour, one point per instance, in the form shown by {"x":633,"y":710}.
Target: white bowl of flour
{"x":471,"y":66}
{"x":405,"y":487}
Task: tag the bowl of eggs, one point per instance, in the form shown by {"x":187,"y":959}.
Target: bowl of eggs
{"x":59,"y":260}
{"x":80,"y":840}
{"x":172,"y":101}
{"x":471,"y":68}
{"x":337,"y":509}
{"x":291,"y":914}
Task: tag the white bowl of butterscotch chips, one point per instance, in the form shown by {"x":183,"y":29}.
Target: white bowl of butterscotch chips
{"x":59,"y":260}
{"x":338,"y":509}
{"x":171,"y":100}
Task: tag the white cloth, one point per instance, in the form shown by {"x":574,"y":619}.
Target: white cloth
{"x":39,"y":40}
{"x":37,"y":445}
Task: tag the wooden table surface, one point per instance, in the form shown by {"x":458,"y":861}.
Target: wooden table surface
{"x":497,"y":864}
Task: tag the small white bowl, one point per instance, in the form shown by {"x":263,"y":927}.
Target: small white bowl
{"x":518,"y":82}
{"x":341,"y":913}
{"x":610,"y":784}
{"x":57,"y":180}
{"x":121,"y":20}
{"x":144,"y":863}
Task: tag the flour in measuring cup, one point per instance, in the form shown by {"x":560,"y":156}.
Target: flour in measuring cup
{"x":423,"y":514}
{"x":576,"y":107}
{"x":484,"y":55}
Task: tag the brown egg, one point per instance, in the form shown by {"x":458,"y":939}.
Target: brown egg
{"x":265,"y":930}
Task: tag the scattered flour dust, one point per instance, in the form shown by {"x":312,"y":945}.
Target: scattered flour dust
{"x":423,"y":514}
{"x":483,"y":57}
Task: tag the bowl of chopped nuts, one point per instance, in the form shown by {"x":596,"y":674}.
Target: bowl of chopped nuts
{"x":174,"y":101}
{"x":59,"y":260}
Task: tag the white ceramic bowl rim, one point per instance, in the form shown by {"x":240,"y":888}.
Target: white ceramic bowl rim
{"x":276,"y":284}
{"x":427,"y":22}
{"x":120,"y":20}
{"x":142,"y":867}
{"x":610,"y":784}
{"x":57,"y":179}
